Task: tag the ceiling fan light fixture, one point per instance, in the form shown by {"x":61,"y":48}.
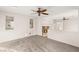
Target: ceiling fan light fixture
{"x":41,"y":11}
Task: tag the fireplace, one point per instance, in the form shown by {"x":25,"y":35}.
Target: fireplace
{"x":45,"y":31}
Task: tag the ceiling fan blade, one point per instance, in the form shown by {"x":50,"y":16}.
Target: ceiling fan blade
{"x":34,"y":11}
{"x":44,"y":10}
{"x":45,"y":13}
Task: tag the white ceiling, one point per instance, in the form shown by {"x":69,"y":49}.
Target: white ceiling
{"x":27,"y":10}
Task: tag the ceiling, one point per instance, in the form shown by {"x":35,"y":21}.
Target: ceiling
{"x":27,"y":10}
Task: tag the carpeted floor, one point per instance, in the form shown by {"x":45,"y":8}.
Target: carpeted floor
{"x":36,"y":44}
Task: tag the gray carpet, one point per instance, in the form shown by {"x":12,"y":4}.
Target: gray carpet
{"x":36,"y":44}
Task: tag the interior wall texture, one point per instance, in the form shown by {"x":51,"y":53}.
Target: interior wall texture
{"x":70,"y":35}
{"x":20,"y":27}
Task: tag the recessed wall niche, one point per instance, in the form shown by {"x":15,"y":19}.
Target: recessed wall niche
{"x":31,"y":23}
{"x":58,"y":25}
{"x":67,"y":25}
{"x":9,"y":21}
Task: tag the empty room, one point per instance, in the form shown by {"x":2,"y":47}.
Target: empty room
{"x":39,"y":29}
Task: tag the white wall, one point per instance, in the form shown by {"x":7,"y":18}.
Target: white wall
{"x":48,"y":20}
{"x":70,"y":35}
{"x":20,"y":24}
{"x":66,"y":37}
{"x":33,"y":31}
{"x":71,"y":25}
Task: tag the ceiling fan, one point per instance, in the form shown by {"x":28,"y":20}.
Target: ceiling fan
{"x":41,"y":11}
